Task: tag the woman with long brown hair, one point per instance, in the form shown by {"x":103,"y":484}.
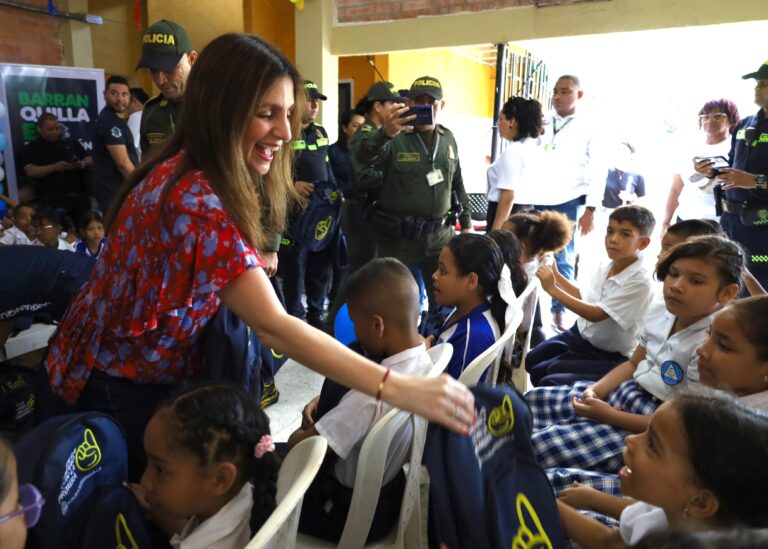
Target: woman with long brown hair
{"x":183,"y":236}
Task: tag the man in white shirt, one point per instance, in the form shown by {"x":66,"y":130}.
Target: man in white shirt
{"x":574,"y":178}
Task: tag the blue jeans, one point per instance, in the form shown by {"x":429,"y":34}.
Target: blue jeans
{"x":565,"y":258}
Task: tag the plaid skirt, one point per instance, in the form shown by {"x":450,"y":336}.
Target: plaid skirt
{"x":576,"y":442}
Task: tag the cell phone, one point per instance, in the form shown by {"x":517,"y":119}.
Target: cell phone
{"x":718,"y":163}
{"x":423,"y":115}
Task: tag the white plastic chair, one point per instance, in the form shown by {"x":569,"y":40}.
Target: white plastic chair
{"x":370,"y":473}
{"x":528,"y":301}
{"x":490,"y":359}
{"x":296,"y":474}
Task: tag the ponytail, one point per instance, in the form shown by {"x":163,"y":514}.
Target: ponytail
{"x":547,"y":231}
{"x":481,"y":255}
{"x":220,"y":422}
{"x":510,"y":250}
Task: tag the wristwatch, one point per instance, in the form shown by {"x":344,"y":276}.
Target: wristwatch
{"x":761,"y":182}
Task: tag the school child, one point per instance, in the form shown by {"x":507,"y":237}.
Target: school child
{"x":48,"y":225}
{"x":699,"y":466}
{"x":211,"y":475}
{"x":540,"y":234}
{"x":91,"y":229}
{"x":22,"y":232}
{"x":383,"y":302}
{"x":610,"y":312}
{"x":472,"y":278}
{"x":733,"y":358}
{"x":583,"y":426}
{"x":20,"y":506}
{"x":683,"y":230}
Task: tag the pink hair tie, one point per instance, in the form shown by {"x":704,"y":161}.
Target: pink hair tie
{"x":264,"y":445}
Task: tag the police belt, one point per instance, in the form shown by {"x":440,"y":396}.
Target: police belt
{"x":736,"y":207}
{"x":404,"y":226}
{"x":752,"y":213}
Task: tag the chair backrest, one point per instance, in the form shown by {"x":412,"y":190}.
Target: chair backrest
{"x":372,"y":461}
{"x":528,"y":301}
{"x":490,"y":359}
{"x":296,"y":474}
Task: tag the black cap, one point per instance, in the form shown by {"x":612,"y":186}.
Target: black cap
{"x":312,"y":91}
{"x":163,"y":45}
{"x":759,"y":74}
{"x":383,"y":91}
{"x":428,"y":85}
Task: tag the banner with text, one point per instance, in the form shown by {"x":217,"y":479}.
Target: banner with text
{"x":73,"y":95}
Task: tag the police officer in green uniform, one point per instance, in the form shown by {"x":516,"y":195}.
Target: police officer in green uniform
{"x":422,"y":190}
{"x":365,"y":182}
{"x":167,"y":52}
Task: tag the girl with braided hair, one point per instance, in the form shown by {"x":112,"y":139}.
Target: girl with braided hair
{"x":211,"y":475}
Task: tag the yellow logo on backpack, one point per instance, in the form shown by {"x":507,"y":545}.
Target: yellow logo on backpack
{"x":502,"y":418}
{"x":121,"y":527}
{"x":88,"y":453}
{"x":527,"y":538}
{"x":322,"y":228}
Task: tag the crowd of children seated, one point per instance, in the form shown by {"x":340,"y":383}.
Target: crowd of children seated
{"x":648,"y":414}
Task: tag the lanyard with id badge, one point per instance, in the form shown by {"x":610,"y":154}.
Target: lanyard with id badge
{"x":555,"y":130}
{"x":435,"y":176}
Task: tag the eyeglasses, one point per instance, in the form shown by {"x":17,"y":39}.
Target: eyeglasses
{"x":31,"y":503}
{"x":716,"y":117}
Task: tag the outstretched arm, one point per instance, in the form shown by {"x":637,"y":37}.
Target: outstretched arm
{"x":584,"y":530}
{"x":441,"y":399}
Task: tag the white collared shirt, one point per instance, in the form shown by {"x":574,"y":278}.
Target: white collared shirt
{"x":230,"y":528}
{"x":640,"y":519}
{"x":520,"y":168}
{"x":16,"y":237}
{"x":65,"y":246}
{"x":671,"y":358}
{"x":574,"y":163}
{"x":346,"y":425}
{"x":625,"y":298}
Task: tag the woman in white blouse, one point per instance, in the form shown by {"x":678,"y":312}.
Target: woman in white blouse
{"x":519,"y":166}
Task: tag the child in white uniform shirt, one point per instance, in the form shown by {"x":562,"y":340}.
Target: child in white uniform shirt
{"x":48,"y":225}
{"x":211,"y":474}
{"x":383,"y":302}
{"x":611,"y":311}
{"x":22,"y":232}
{"x":700,"y":465}
{"x":584,"y":426}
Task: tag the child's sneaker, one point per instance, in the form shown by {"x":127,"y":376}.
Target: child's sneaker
{"x":269,"y":394}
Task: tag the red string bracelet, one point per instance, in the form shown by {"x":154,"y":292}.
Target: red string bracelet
{"x":381,"y":384}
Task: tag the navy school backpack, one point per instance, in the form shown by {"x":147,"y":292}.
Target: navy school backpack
{"x":72,"y":459}
{"x":317,"y":225}
{"x":486,"y":489}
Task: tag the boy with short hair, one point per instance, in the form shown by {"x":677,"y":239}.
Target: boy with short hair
{"x":22,"y":232}
{"x":383,"y":302}
{"x":611,"y":311}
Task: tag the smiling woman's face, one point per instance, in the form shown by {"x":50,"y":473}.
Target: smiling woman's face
{"x":270,"y":128}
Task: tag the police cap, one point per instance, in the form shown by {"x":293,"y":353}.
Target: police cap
{"x":163,"y":45}
{"x":759,"y":74}
{"x":312,"y":91}
{"x":427,"y":85}
{"x":383,"y":91}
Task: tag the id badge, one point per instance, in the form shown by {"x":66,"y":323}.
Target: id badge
{"x":434,"y":177}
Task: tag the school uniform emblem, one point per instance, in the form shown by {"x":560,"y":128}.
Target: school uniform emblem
{"x":671,"y":372}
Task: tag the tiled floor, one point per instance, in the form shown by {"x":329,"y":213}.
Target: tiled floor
{"x":297,"y":385}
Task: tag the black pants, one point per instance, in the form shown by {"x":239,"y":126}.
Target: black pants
{"x":303,"y":271}
{"x":326,"y":506}
{"x":131,"y":404}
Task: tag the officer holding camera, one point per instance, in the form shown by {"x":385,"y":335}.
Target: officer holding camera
{"x":744,"y":185}
{"x":422,"y":190}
